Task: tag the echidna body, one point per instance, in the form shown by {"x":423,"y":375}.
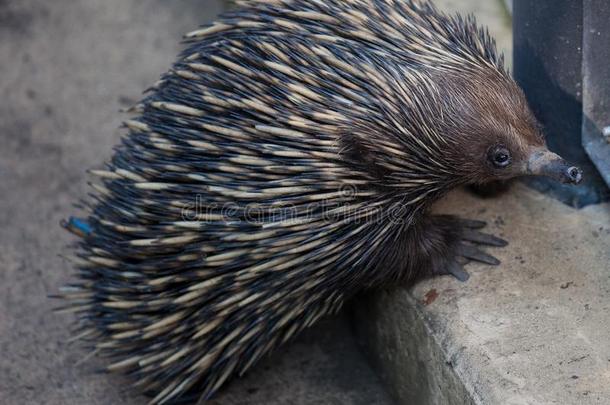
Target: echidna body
{"x":286,"y":162}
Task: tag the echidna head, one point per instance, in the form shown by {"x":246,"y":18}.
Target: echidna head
{"x":495,"y":135}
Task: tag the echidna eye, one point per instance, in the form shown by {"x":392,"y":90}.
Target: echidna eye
{"x":500,"y":157}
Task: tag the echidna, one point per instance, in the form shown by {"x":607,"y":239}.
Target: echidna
{"x":286,"y":162}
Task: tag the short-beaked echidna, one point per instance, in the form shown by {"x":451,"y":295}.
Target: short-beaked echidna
{"x":286,"y":162}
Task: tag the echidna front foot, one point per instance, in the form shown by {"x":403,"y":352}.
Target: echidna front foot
{"x":463,"y":238}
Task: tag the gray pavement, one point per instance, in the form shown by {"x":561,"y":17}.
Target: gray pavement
{"x":66,"y":69}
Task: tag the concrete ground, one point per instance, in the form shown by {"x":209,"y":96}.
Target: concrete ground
{"x":66,"y":69}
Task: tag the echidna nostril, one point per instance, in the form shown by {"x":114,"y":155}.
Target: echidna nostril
{"x":575,"y":174}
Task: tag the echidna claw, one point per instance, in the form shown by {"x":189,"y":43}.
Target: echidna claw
{"x":467,"y":247}
{"x":476,"y":254}
{"x":457,"y":271}
{"x":472,"y":224}
{"x":472,"y":235}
